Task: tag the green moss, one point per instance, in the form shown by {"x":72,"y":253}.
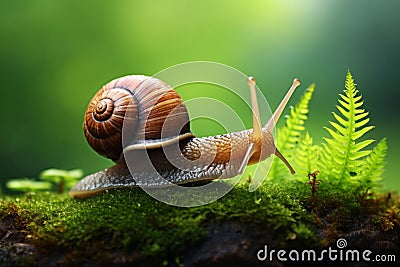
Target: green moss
{"x":129,"y":218}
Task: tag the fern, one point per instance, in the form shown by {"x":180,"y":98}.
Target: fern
{"x":342,"y":160}
{"x":342,"y":154}
{"x":306,"y":157}
{"x":289,"y":136}
{"x":372,"y":168}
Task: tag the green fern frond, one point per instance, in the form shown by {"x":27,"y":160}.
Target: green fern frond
{"x":289,"y":135}
{"x":373,"y":165}
{"x":306,"y":157}
{"x":343,"y":153}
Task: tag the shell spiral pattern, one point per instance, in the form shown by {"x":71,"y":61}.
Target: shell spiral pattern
{"x":146,"y":102}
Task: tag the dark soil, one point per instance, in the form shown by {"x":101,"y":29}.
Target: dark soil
{"x":227,"y":244}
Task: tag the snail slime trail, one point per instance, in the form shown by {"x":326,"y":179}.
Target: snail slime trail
{"x":156,"y":111}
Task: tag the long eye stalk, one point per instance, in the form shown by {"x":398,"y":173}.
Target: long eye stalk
{"x":278,"y":112}
{"x":257,"y":130}
{"x":257,"y":135}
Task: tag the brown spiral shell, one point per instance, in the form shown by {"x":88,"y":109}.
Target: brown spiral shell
{"x":147,"y":102}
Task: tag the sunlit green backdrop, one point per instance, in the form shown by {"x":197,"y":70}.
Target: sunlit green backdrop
{"x":54,"y":55}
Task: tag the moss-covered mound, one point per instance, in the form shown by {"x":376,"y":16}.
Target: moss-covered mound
{"x":124,"y":227}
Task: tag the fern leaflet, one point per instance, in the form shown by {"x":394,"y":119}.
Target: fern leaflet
{"x":306,"y":157}
{"x":372,"y":168}
{"x":341,"y":157}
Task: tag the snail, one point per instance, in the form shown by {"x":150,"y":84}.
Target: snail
{"x":156,"y":129}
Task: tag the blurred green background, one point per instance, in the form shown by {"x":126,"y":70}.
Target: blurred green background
{"x":54,"y":55}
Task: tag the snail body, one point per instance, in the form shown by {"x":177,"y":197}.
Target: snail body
{"x":158,"y":140}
